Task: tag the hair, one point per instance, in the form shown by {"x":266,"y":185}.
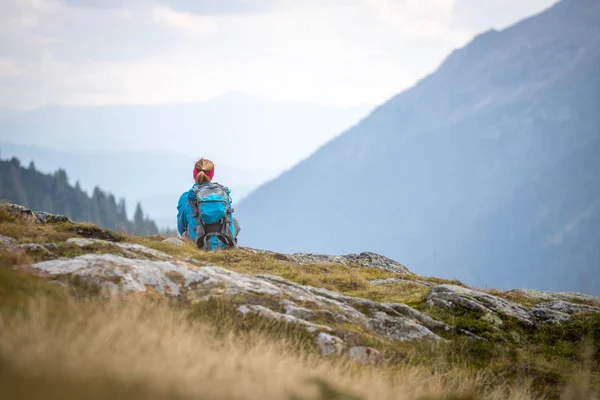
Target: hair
{"x":203,"y":165}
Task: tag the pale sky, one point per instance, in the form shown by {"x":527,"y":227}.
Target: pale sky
{"x":331,"y":52}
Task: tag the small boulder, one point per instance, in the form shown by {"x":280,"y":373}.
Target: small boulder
{"x":493,"y":319}
{"x":18,"y":211}
{"x":36,"y":248}
{"x":330,"y":345}
{"x":8,"y":243}
{"x":365,"y":355}
{"x":399,"y":328}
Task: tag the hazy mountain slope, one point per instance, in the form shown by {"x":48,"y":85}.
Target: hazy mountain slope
{"x":468,"y":173}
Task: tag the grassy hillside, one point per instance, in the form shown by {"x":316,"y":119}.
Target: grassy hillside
{"x":65,"y":339}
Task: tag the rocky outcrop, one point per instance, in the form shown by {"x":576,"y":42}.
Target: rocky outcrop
{"x":39,"y":217}
{"x":318,"y":310}
{"x":364,"y":260}
{"x":452,"y":296}
{"x":555,"y":296}
{"x":490,"y":306}
{"x":560,"y":311}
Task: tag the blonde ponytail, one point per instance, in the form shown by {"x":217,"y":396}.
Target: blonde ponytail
{"x":203,"y":165}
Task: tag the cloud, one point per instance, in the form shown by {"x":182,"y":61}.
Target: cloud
{"x":100,"y":4}
{"x":219,"y":7}
{"x":339,"y":52}
{"x":182,"y":20}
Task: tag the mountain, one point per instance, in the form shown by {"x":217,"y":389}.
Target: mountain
{"x":487,"y":170}
{"x":235,"y":129}
{"x":52,"y":193}
{"x":156,"y":179}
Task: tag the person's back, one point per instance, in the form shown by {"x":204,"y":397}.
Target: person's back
{"x":205,"y":212}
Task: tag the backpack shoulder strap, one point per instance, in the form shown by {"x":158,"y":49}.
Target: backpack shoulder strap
{"x":197,"y":214}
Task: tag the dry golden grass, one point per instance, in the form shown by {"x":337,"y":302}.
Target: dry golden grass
{"x":63,"y":347}
{"x":140,"y":347}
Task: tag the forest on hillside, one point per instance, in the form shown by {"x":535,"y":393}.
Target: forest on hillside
{"x":53,"y":193}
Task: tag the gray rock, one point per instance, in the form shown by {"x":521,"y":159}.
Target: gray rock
{"x":555,"y":296}
{"x":493,"y":319}
{"x":36,"y":248}
{"x":18,"y":211}
{"x":307,"y":314}
{"x":556,"y":312}
{"x":132,"y":275}
{"x":42,"y":217}
{"x":388,"y":281}
{"x":550,"y":316}
{"x":425,"y":320}
{"x":365,"y":355}
{"x":268,"y":313}
{"x":174,"y":240}
{"x":550,"y":312}
{"x":330,"y":345}
{"x":364,"y":260}
{"x":8,"y":243}
{"x":298,"y":312}
{"x":567,"y":308}
{"x":400,"y":329}
{"x":291,"y":302}
{"x":135,"y":248}
{"x":452,"y":296}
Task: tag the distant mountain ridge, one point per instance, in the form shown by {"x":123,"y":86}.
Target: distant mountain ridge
{"x":485,"y":170}
{"x":146,"y":152}
{"x":265,"y":134}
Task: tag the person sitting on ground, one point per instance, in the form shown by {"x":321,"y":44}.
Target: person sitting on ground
{"x":205,"y":212}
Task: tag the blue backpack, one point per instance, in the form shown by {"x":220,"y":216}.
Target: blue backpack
{"x":213,"y":213}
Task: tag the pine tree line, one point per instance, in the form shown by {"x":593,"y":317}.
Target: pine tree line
{"x":52,"y":193}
